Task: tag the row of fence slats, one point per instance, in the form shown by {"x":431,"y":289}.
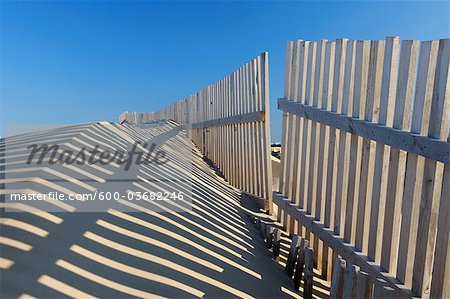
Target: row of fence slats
{"x":241,"y":150}
{"x":393,"y":206}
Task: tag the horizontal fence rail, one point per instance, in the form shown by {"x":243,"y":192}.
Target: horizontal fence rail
{"x":365,"y":162}
{"x":229,"y":122}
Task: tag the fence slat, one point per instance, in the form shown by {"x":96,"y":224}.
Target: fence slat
{"x":377,"y":198}
{"x":402,"y":116}
{"x":363,"y":288}
{"x":359,"y":101}
{"x":337,"y":281}
{"x":440,"y":283}
{"x":371,"y":113}
{"x":349,"y":289}
{"x":340,"y":196}
{"x":308,"y":274}
{"x":432,"y":178}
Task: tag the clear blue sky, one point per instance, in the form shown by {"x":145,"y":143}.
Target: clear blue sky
{"x":70,"y":62}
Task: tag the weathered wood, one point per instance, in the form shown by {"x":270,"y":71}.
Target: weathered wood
{"x":343,"y":161}
{"x":402,"y":116}
{"x":431,"y":148}
{"x":285,"y":121}
{"x":313,"y":150}
{"x":323,"y":151}
{"x":363,"y":285}
{"x":440,"y":283}
{"x":309,"y":91}
{"x":415,"y":163}
{"x":432,"y":178}
{"x":362,"y":63}
{"x":348,"y":252}
{"x":300,"y":263}
{"x":370,"y":142}
{"x":349,"y":289}
{"x":371,"y":113}
{"x":331,"y":171}
{"x":337,"y":281}
{"x":300,"y":123}
{"x":382,"y":291}
{"x":269,"y":236}
{"x":292,"y":256}
{"x":276,"y":239}
{"x":308,"y":274}
{"x":387,"y":99}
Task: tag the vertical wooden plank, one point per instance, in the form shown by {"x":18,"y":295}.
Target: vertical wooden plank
{"x":265,"y":189}
{"x":261,"y":169}
{"x":258,"y":142}
{"x":257,"y":126}
{"x":252,"y":128}
{"x":388,"y":89}
{"x":224,"y":146}
{"x":317,"y":100}
{"x":299,"y":266}
{"x":293,"y":120}
{"x":227,"y":151}
{"x":223,"y":131}
{"x":285,"y":128}
{"x":349,"y":289}
{"x":340,"y":190}
{"x":289,"y":155}
{"x":359,"y":100}
{"x":235,"y":129}
{"x":309,"y":274}
{"x":337,"y":281}
{"x":309,"y":92}
{"x":331,"y":172}
{"x":403,"y":101}
{"x":240,"y":129}
{"x":245,"y":151}
{"x":336,"y":106}
{"x":313,"y":157}
{"x":440,"y":283}
{"x":363,"y":285}
{"x":382,"y":291}
{"x":250,"y":131}
{"x":292,"y":256}
{"x":432,"y":178}
{"x":367,"y":160}
{"x":276,"y":242}
{"x":229,"y":148}
{"x":307,"y":126}
{"x":378,"y":292}
{"x":221,"y":143}
{"x":288,"y":141}
{"x":266,"y":128}
{"x":305,"y":91}
{"x":323,"y":151}
{"x":232,"y":159}
{"x":298,"y":135}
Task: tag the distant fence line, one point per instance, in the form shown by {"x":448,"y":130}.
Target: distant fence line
{"x":229,"y":121}
{"x":365,"y":171}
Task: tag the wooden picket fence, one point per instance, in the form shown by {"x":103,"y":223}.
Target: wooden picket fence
{"x":365,"y":163}
{"x":229,"y":122}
